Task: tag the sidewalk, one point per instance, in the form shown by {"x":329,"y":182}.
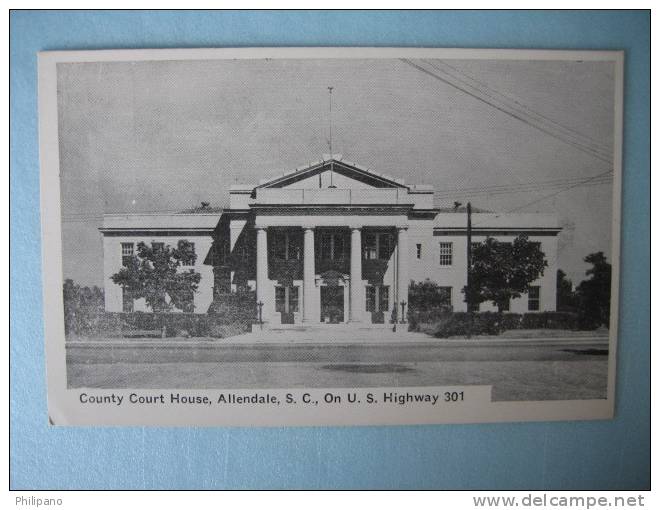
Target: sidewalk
{"x":340,"y":338}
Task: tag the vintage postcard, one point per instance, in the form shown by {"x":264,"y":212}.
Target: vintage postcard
{"x":330,"y":236}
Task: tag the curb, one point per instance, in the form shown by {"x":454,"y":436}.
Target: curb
{"x":206,"y":344}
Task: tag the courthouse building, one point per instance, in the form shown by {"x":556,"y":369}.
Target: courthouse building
{"x":330,"y":242}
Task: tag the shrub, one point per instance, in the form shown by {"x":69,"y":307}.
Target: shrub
{"x":550,"y":320}
{"x":237,"y":310}
{"x":427,"y":295}
{"x":418,"y":318}
{"x":486,"y":323}
{"x":83,"y":308}
{"x":443,"y":325}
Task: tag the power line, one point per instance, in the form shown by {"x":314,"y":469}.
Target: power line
{"x":515,"y":114}
{"x":560,"y":191}
{"x":504,"y":192}
{"x":511,"y":188}
{"x":516,"y":110}
{"x":596,"y":145}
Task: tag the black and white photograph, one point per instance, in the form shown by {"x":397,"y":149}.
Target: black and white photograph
{"x":330,"y":236}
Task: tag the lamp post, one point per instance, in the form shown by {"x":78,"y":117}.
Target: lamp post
{"x":403,"y":312}
{"x":260,"y":304}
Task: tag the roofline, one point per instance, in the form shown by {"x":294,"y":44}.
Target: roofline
{"x":124,"y":215}
{"x":493,"y":230}
{"x":320,"y":164}
{"x":152,"y":230}
{"x":404,"y":207}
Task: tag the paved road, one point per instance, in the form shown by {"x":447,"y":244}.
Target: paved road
{"x":517,"y":372}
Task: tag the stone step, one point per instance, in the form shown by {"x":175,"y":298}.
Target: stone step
{"x":328,"y":327}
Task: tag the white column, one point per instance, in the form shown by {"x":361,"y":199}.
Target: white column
{"x":311,"y":311}
{"x":357,"y":289}
{"x":262,"y":269}
{"x":402,"y":270}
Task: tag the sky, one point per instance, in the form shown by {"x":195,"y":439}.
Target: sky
{"x":166,"y":135}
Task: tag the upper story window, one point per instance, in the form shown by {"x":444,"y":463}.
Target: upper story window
{"x":419,"y":251}
{"x":127,"y":252}
{"x":332,"y":246}
{"x":286,"y":246}
{"x":377,"y":245}
{"x":446,"y":254}
{"x":534,"y":298}
{"x":189,"y":262}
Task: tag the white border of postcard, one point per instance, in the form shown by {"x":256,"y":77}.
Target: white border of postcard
{"x":64,"y":407}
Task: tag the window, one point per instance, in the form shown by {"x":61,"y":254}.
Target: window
{"x":286,"y":299}
{"x":419,"y":251}
{"x":378,"y":298}
{"x":280,"y":299}
{"x":286,"y":246}
{"x":445,"y":295}
{"x":534,"y":298}
{"x":377,"y":245}
{"x":293,"y":299}
{"x":370,"y":247}
{"x":474,"y":307}
{"x":446,"y":250}
{"x":127,"y":252}
{"x":189,"y":262}
{"x":126,"y":301}
{"x":332,"y":246}
{"x":221,"y":253}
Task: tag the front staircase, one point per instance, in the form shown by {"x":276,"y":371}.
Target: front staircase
{"x":327,"y":328}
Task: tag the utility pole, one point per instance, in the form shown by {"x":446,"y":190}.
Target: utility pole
{"x":469,"y":266}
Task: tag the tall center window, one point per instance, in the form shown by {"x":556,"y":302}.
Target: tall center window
{"x":332,"y":246}
{"x":286,"y":246}
{"x":377,"y":245}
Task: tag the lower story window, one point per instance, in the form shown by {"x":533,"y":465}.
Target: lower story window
{"x":378,"y":298}
{"x":127,"y":301}
{"x":445,"y":295}
{"x":286,"y":299}
{"x":534,"y":299}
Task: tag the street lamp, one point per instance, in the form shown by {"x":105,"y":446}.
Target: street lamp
{"x":260,"y":304}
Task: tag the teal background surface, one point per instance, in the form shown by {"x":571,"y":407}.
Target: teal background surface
{"x":566,"y":455}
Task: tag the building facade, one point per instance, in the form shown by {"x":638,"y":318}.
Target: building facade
{"x":330,"y":242}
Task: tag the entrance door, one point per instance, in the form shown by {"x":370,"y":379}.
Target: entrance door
{"x":286,"y":302}
{"x":378,"y":302}
{"x":332,"y":304}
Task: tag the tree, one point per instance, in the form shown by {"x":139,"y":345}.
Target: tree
{"x":82,"y":307}
{"x":566,"y":301}
{"x":593,"y":294}
{"x":501,"y":271}
{"x":154,"y":274}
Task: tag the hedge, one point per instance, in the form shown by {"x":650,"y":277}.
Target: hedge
{"x":229,"y":315}
{"x":444,"y":324}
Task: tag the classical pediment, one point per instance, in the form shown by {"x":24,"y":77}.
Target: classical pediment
{"x":332,"y":173}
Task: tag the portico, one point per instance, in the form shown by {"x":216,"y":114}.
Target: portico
{"x":331,"y":268}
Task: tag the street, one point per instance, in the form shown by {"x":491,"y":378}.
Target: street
{"x":556,"y":370}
